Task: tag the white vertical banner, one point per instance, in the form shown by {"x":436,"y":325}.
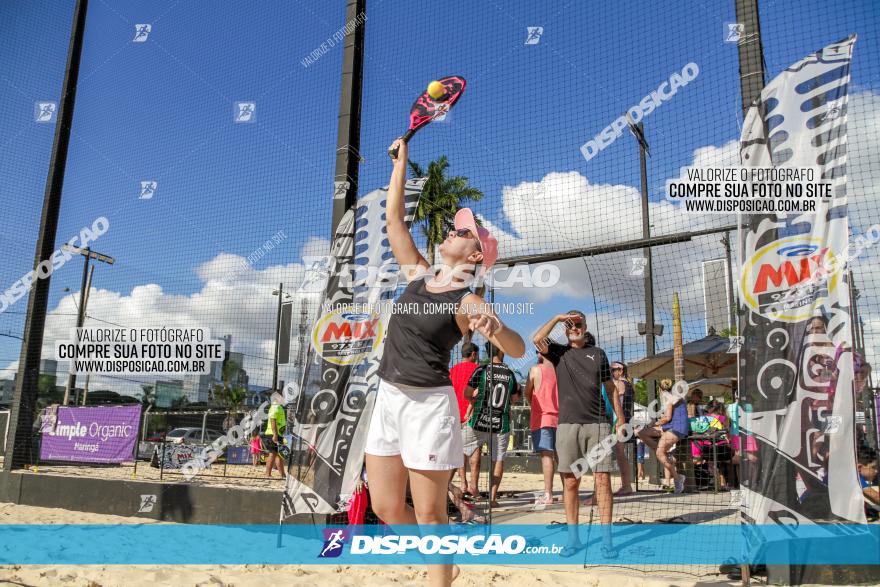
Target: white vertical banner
{"x":346,"y":347}
{"x":798,"y":444}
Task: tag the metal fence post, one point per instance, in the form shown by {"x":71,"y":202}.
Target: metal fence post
{"x":226,"y":459}
{"x":162,"y":456}
{"x":204,"y":424}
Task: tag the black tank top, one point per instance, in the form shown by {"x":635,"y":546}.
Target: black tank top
{"x":421,"y":336}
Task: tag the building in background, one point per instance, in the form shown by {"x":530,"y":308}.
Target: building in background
{"x":48,"y":381}
{"x":169,"y":393}
{"x":7,"y":389}
{"x":200,"y":388}
{"x":238,"y":375}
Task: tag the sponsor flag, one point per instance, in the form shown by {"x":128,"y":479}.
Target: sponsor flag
{"x":340,"y":381}
{"x":100,"y":434}
{"x":796,"y":385}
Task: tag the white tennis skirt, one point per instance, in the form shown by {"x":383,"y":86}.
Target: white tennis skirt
{"x":421,"y":424}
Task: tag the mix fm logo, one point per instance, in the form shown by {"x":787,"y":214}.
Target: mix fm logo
{"x":784,"y":264}
{"x":343,"y":337}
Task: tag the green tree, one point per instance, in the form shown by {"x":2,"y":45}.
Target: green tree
{"x":728,"y":332}
{"x":223,"y":390}
{"x":640,"y":391}
{"x":441,"y":198}
{"x":149,"y":394}
{"x":179,"y":403}
{"x":234,"y":397}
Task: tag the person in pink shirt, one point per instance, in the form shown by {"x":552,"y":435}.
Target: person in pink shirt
{"x":256,"y":449}
{"x":541,"y":395}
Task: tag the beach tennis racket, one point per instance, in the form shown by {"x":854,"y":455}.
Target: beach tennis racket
{"x":425,"y":108}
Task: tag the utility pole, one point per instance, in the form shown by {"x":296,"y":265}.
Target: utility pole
{"x":83,"y":301}
{"x":303,"y":338}
{"x":751,"y":80}
{"x":280,"y":293}
{"x":85,"y":398}
{"x":731,"y":306}
{"x":638,"y":131}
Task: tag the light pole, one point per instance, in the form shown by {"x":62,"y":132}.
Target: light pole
{"x":725,"y":240}
{"x":88,"y":254}
{"x":303,"y":339}
{"x":280,"y":293}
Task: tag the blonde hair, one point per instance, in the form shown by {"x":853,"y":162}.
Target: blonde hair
{"x":666,"y":384}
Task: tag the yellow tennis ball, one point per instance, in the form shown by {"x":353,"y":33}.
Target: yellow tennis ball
{"x":436,"y":90}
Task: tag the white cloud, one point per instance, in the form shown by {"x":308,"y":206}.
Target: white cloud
{"x":234,"y":299}
{"x":564,"y":210}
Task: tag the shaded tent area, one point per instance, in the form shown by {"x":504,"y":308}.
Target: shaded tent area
{"x":704,"y":359}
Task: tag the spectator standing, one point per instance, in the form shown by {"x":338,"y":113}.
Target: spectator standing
{"x":626,"y":398}
{"x":581,"y":370}
{"x":460,"y":374}
{"x":273,"y":433}
{"x":492,"y":388}
{"x":541,"y":393}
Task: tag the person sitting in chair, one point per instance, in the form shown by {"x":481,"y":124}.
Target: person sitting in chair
{"x":671,"y":428}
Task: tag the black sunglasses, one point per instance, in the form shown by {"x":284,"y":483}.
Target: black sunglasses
{"x":467,"y":233}
{"x":571,"y":325}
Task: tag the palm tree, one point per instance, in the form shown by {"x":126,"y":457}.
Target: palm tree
{"x":221,"y":392}
{"x":441,"y":198}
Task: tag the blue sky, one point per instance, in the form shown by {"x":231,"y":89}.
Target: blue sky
{"x":163,"y":110}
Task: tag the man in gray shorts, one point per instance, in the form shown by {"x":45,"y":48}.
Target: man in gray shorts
{"x":581,"y":370}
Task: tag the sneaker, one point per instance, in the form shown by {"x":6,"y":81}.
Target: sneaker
{"x":679,"y":483}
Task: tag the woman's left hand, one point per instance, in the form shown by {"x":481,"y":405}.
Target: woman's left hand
{"x":484,"y":324}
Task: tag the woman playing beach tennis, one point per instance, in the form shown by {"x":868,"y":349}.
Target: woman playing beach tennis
{"x":414,"y":432}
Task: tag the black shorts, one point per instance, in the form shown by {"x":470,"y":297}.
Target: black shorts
{"x":269,"y":444}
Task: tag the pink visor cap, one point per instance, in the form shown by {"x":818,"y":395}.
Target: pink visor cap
{"x":464,"y":218}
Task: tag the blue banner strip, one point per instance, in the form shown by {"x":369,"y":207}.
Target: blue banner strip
{"x":624,"y":544}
